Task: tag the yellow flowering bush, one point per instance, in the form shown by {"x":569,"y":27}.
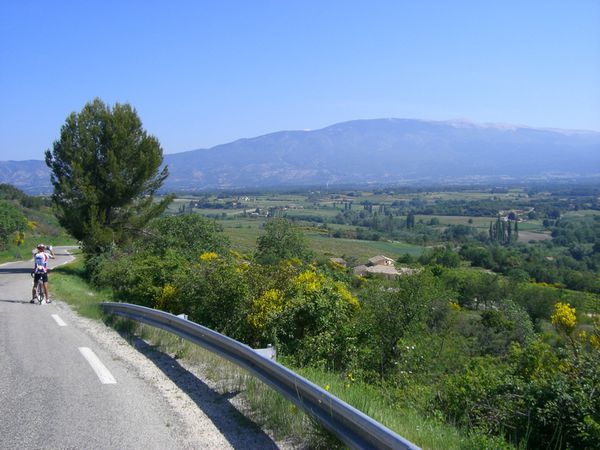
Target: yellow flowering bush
{"x":166,"y":297}
{"x":309,"y":281}
{"x":269,"y":304}
{"x":346,"y":295}
{"x":208,"y":256}
{"x":564,"y":318}
{"x":19,"y":238}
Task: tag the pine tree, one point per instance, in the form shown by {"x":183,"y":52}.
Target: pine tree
{"x":105,"y":169}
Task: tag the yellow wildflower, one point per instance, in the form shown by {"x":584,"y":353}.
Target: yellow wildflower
{"x":208,"y":256}
{"x":310,"y":281}
{"x":269,"y":304}
{"x":454,"y":306}
{"x":564,"y":318}
{"x":166,"y":297}
{"x":346,"y":295}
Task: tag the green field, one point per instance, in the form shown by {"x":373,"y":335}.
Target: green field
{"x":243,"y":235}
{"x":361,"y":250}
{"x":582,"y":213}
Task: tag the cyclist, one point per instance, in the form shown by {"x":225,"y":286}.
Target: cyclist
{"x":47,"y":249}
{"x":40,"y":271}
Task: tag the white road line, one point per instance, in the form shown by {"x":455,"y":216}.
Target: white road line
{"x":103,"y":374}
{"x":58,"y":320}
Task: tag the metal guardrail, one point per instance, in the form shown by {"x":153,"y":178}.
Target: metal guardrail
{"x":354,"y":428}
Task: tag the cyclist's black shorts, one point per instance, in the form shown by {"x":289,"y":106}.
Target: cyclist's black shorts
{"x":40,"y":276}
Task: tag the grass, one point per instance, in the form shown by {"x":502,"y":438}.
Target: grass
{"x":427,"y":433}
{"x":361,"y":250}
{"x":243,"y":240}
{"x":69,"y":284}
{"x":243,"y":235}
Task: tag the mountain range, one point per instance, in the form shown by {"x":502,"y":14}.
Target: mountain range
{"x":373,"y":152}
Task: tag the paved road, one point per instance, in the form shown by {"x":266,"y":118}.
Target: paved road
{"x":55,"y":395}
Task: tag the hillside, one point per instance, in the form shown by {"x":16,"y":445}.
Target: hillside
{"x":31,"y":176}
{"x":389,"y":151}
{"x":381,"y":151}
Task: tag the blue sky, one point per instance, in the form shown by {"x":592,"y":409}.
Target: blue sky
{"x":204,"y":73}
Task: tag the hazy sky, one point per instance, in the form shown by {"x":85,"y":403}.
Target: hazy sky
{"x":203,"y":73}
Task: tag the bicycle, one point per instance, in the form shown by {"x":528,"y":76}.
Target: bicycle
{"x":39,"y":290}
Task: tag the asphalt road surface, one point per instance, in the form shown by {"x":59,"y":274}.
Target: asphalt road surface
{"x":71,"y":383}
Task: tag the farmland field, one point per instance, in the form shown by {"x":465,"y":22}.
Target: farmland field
{"x":361,"y":250}
{"x":526,"y":236}
{"x":243,"y":238}
{"x":360,"y":224}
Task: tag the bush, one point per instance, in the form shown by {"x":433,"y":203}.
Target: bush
{"x":11,"y":220}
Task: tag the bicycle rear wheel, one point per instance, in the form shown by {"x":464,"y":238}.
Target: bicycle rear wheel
{"x":40,"y":292}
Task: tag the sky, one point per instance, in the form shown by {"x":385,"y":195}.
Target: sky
{"x":205,"y":73}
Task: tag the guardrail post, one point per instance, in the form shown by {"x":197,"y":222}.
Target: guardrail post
{"x":270,"y":352}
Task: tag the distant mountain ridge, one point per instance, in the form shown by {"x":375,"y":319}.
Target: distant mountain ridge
{"x":380,"y":151}
{"x":31,"y":176}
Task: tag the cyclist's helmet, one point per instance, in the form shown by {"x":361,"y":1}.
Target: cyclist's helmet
{"x":42,"y":246}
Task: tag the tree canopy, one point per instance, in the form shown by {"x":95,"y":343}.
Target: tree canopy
{"x":105,"y":170}
{"x":282,"y":240}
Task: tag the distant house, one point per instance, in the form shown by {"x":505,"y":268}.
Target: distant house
{"x":381,"y":266}
{"x":381,"y":260}
{"x":340,"y":261}
{"x":360,"y":271}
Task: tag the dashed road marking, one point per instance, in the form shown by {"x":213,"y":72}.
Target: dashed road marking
{"x":58,"y":320}
{"x":101,"y":371}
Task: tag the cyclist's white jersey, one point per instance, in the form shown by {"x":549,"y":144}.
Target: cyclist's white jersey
{"x":40,"y":261}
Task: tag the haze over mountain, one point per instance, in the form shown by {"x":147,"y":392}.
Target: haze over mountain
{"x":378,"y":151}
